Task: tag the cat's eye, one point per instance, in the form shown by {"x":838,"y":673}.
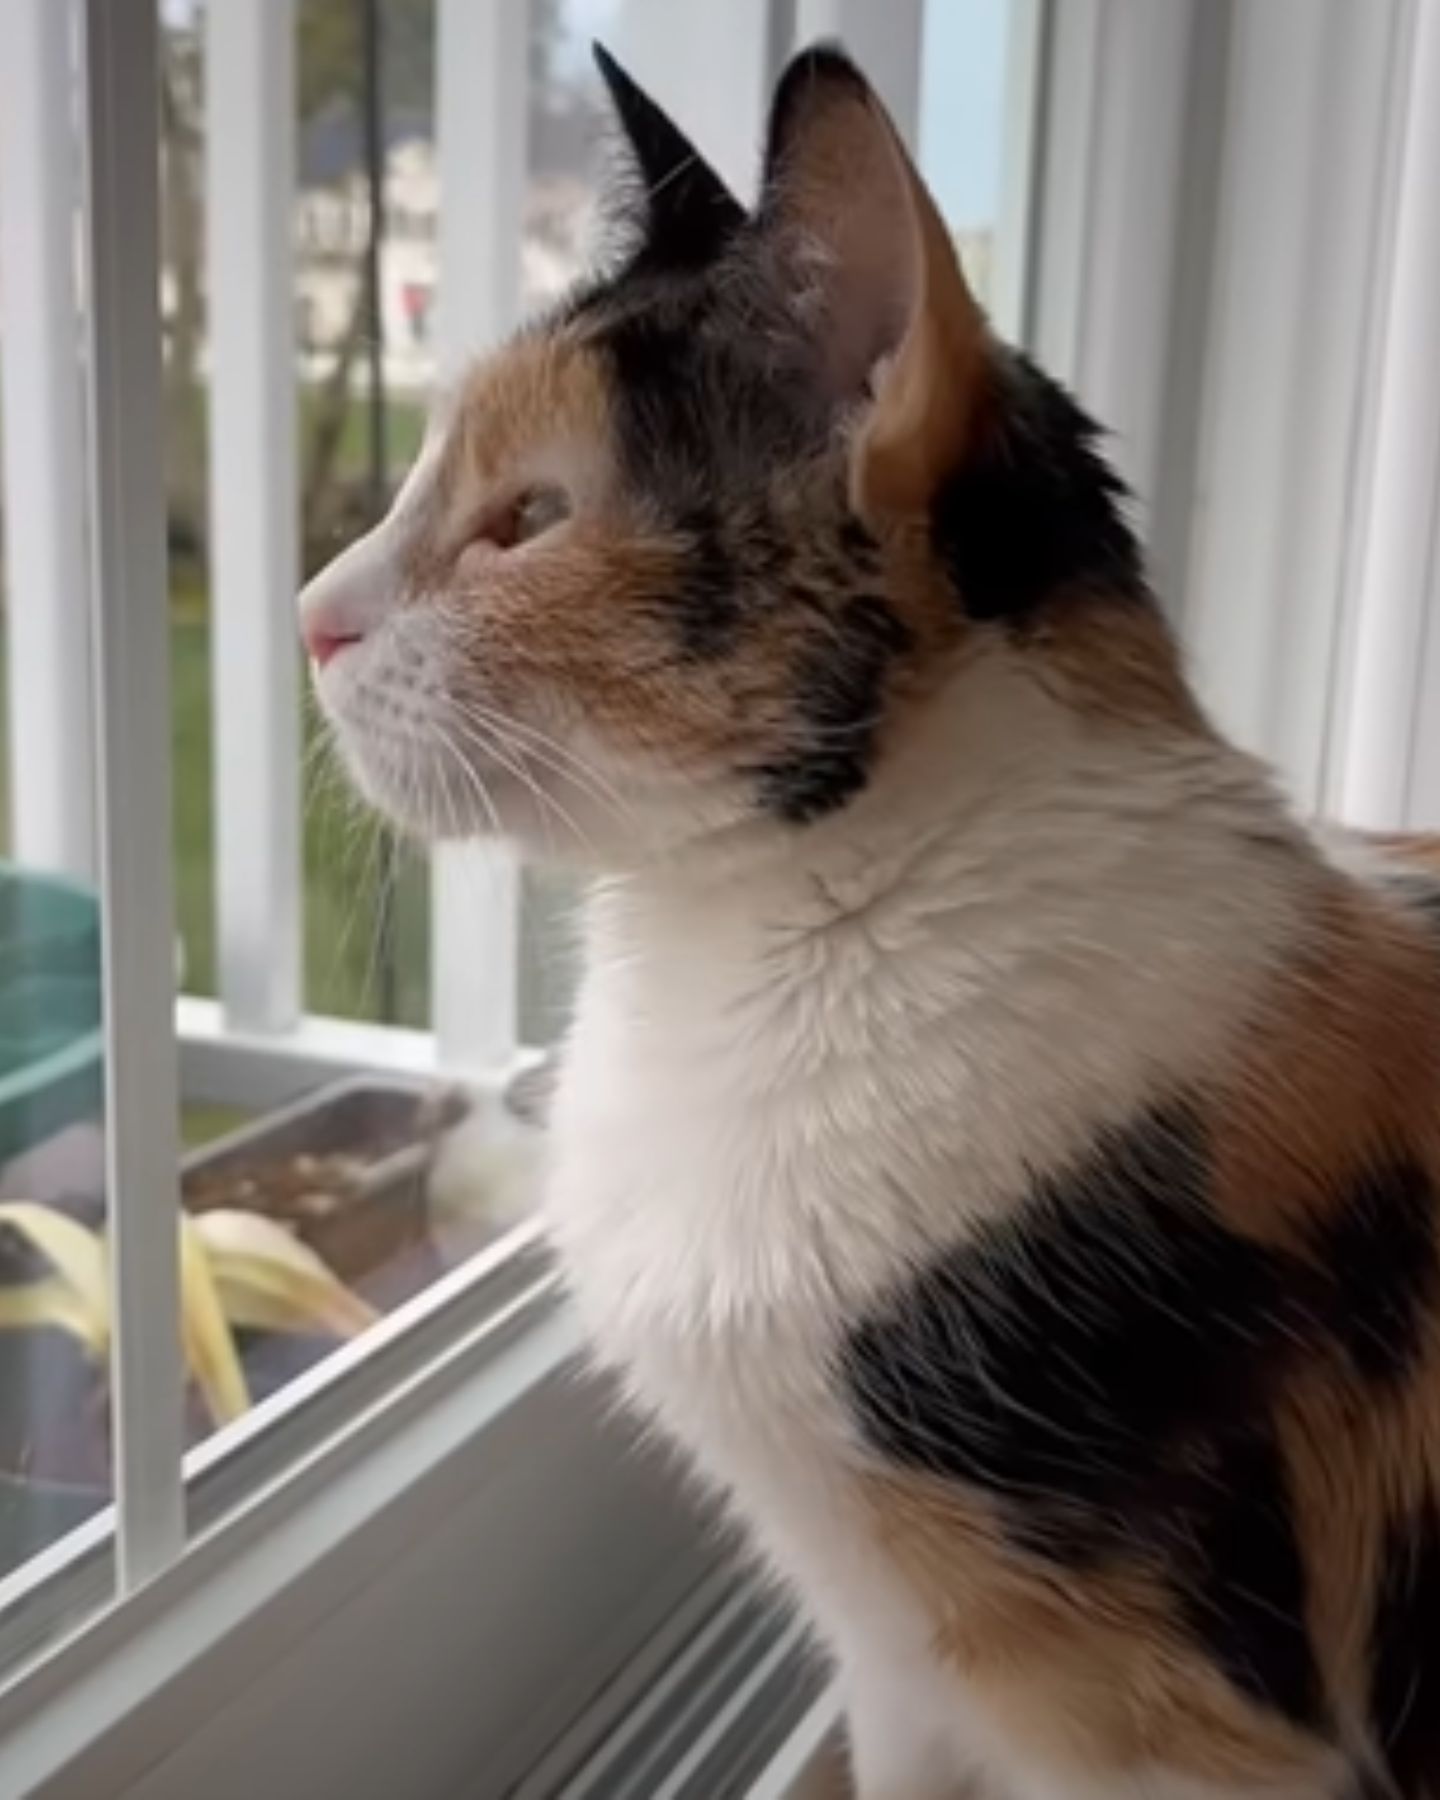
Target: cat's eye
{"x":536,"y":511}
{"x":529,"y":515}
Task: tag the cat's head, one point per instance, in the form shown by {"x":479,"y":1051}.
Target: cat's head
{"x":678,"y":556}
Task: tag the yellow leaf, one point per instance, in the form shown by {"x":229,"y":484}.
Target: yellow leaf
{"x":208,"y":1342}
{"x":268,"y":1280}
{"x":52,"y":1301}
{"x":76,"y":1252}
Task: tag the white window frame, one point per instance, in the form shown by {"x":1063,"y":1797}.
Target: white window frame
{"x":1303,"y":245}
{"x":1384,"y":751}
{"x":120,"y":111}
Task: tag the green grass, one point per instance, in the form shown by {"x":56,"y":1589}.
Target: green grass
{"x":360,"y":962}
{"x":353,"y":967}
{"x":364,"y":958}
{"x":404,"y":428}
{"x":349,"y":970}
{"x":203,"y":1124}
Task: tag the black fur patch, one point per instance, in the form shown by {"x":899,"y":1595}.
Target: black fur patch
{"x":1366,"y":1784}
{"x":1426,"y":900}
{"x":1242,"y":1582}
{"x":1035,"y":510}
{"x":716,"y":402}
{"x":1379,"y":1250}
{"x":814,"y":79}
{"x":1104,"y":1365}
{"x":705,"y":416}
{"x":708,"y":604}
{"x":1421,"y":894}
{"x":839,"y":689}
{"x":1114,"y":1314}
{"x":687,"y":213}
{"x":1405,"y":1656}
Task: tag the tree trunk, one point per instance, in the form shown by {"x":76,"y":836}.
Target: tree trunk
{"x":322,"y":491}
{"x":185,"y":434}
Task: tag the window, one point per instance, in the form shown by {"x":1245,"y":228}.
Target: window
{"x":264,"y":295}
{"x":967,"y":52}
{"x":54,"y":1457}
{"x":1212,"y":219}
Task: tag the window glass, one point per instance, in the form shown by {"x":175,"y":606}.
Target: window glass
{"x":343,"y":1197}
{"x":963,"y":137}
{"x":373,"y":1184}
{"x":54,"y":1305}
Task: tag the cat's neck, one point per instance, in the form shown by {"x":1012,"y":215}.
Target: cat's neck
{"x":1021,"y":931}
{"x":1001,"y":817}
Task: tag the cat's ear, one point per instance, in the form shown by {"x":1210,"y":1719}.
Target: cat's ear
{"x":860,"y":241}
{"x":686,"y":213}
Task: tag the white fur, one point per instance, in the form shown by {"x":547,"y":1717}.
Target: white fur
{"x":803,"y":1059}
{"x":484,"y":1179}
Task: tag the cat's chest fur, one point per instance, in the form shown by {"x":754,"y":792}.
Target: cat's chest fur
{"x":724,"y":1201}
{"x":785,"y":1091}
{"x":779,"y":1097}
{"x":713,"y":1198}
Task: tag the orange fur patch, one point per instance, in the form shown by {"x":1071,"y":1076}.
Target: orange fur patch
{"x":1089,"y":1669}
{"x":1115,"y":660}
{"x":1407,"y":849}
{"x":538,"y":393}
{"x":1341,"y":1061}
{"x":1341,"y":1066}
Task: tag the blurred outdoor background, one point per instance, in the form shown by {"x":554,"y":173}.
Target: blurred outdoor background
{"x":365,"y":222}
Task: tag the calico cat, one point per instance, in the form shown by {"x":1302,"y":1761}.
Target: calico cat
{"x":996,"y":1138}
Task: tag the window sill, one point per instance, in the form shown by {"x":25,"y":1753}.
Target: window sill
{"x":454,"y":1501}
{"x":810,"y":1765}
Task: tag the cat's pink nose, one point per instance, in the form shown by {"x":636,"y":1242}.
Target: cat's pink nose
{"x":348,"y":599}
{"x":324,"y":641}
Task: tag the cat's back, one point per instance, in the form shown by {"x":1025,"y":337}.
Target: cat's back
{"x":1183,"y":1404}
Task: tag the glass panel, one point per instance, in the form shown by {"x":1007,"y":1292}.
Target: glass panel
{"x":963,"y":131}
{"x":566,"y":125}
{"x":365,"y":283}
{"x":562,"y":218}
{"x":355,"y":1197}
{"x":54,"y":1325}
{"x":54,"y":1304}
{"x":385,"y":1182}
{"x":377,"y":1184}
{"x":182,"y":288}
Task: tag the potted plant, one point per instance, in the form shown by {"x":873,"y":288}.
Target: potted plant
{"x":239,"y":1273}
{"x":296,"y":1229}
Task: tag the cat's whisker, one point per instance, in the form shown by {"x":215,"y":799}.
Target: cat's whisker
{"x":373,"y":890}
{"x":549,"y":755}
{"x":552,"y":746}
{"x":476,"y":781}
{"x":360,"y":833}
{"x":549,"y":805}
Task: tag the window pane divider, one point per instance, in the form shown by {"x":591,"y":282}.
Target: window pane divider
{"x":51,"y":725}
{"x":254,"y":514}
{"x":458,"y":1326}
{"x":481,"y":83}
{"x":120,"y":120}
{"x":1383,"y":742}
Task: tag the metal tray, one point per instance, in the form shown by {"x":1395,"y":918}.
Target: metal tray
{"x":382,"y":1212}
